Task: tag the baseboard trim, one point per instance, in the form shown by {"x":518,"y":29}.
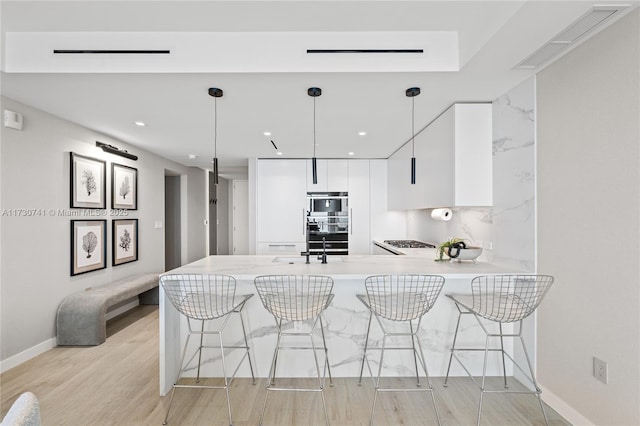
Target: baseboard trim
{"x":26,"y":355}
{"x":49,"y":344}
{"x":569,"y":413}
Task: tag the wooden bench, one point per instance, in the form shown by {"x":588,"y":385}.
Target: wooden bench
{"x":81,"y":317}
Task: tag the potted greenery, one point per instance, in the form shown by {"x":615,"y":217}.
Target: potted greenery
{"x":444,"y":247}
{"x":462,"y":250}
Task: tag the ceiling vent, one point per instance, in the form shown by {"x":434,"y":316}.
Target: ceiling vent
{"x":568,"y":38}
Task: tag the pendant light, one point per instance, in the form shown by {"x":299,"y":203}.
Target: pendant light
{"x":412,"y":92}
{"x":216,"y":93}
{"x":314,"y":92}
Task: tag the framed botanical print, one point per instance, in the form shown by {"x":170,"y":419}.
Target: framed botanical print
{"x":124,"y":187}
{"x":88,"y":246}
{"x":88,"y":182}
{"x":125,"y":241}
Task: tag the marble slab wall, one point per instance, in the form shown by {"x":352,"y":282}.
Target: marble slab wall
{"x":510,"y":224}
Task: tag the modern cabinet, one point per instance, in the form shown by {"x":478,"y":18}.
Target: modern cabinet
{"x":453,"y":162}
{"x":281,"y":206}
{"x":333,"y":176}
{"x":359,"y":230}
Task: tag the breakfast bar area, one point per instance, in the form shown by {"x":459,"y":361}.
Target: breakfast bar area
{"x":345,"y":319}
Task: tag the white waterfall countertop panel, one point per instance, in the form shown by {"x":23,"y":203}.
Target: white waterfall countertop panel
{"x":345,"y":320}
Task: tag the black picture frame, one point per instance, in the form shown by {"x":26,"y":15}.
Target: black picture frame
{"x":124,"y":244}
{"x":88,"y":246}
{"x":88,"y":182}
{"x":124,"y":187}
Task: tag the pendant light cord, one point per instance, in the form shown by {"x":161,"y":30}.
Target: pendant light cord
{"x":314,"y":127}
{"x":413,"y":133}
{"x":215,"y":127}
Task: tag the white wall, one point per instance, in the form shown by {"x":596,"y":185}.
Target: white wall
{"x":588,"y":196}
{"x":35,"y":250}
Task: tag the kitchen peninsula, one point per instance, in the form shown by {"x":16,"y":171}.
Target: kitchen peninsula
{"x":345,"y":319}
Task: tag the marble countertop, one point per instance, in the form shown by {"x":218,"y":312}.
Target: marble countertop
{"x":348,"y":267}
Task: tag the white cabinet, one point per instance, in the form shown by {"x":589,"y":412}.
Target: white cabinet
{"x":453,"y":162}
{"x":333,"y":176}
{"x":281,"y":203}
{"x":359,"y":230}
{"x":384,"y":224}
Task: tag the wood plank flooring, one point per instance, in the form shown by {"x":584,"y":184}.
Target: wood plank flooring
{"x":116,"y":383}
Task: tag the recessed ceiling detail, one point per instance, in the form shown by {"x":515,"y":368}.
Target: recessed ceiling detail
{"x":574,"y":33}
{"x":365,"y":50}
{"x":231,"y":52}
{"x":111,"y":52}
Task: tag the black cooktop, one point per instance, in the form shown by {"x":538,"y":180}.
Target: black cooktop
{"x":408,"y":244}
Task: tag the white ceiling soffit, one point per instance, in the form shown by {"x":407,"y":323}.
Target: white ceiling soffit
{"x":226,"y":52}
{"x":571,"y":36}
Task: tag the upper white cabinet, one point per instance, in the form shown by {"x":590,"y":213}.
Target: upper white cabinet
{"x":453,"y":162}
{"x":333,"y":176}
{"x":281,"y":202}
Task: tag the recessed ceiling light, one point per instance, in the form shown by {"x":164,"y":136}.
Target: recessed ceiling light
{"x":362,"y":133}
{"x":140,"y":123}
{"x":351,"y":153}
{"x":267,"y":133}
{"x":279,"y":153}
{"x":192,"y":156}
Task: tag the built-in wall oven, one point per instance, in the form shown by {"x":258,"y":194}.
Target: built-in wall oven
{"x":328,"y":219}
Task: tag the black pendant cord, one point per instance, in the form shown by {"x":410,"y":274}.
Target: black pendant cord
{"x":413,"y":141}
{"x":314,"y":163}
{"x":215,"y":127}
{"x":215,"y":141}
{"x":413,"y":133}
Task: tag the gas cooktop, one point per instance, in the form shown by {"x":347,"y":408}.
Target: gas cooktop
{"x":408,"y":244}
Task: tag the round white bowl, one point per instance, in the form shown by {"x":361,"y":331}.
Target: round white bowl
{"x":469,"y":253}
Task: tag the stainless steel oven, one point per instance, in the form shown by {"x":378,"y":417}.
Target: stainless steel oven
{"x":328,"y":218}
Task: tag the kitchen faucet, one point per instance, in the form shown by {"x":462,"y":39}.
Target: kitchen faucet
{"x":324,"y":250}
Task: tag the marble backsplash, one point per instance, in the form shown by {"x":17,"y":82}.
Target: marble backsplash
{"x":510,"y":224}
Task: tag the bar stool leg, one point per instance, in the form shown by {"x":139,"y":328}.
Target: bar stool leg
{"x":246,"y":343}
{"x":326,"y":352}
{"x":272,"y":372}
{"x":415,"y":358}
{"x":377,"y":386}
{"x":426,"y":372}
{"x":366,"y":344}
{"x":533,"y":378}
{"x":200,"y":352}
{"x":453,"y":347}
{"x":226,"y":381}
{"x":484,"y":375}
{"x":173,"y":389}
{"x":504,"y":365}
{"x":320,"y":379}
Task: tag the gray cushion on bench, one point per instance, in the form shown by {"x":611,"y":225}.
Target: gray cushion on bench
{"x":81,"y":317}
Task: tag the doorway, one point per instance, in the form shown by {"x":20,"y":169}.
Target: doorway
{"x":172,"y":222}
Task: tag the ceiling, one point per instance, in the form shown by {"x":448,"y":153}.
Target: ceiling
{"x":261,"y":94}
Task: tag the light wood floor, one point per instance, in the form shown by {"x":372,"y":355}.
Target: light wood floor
{"x":116,"y":383}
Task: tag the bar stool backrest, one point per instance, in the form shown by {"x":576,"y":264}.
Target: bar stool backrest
{"x":294,"y":297}
{"x":402,"y":297}
{"x":508,"y":298}
{"x":200,"y":296}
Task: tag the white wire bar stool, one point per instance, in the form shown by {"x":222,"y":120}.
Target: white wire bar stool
{"x":201,"y":298}
{"x":297,"y":299}
{"x":501,"y":299}
{"x":404,"y":299}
